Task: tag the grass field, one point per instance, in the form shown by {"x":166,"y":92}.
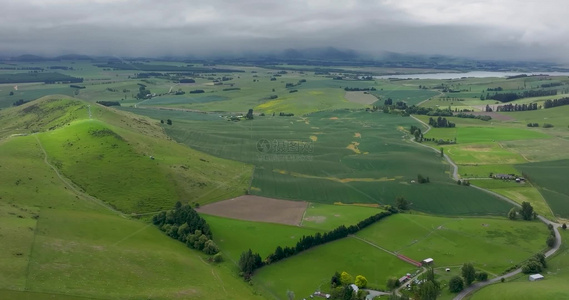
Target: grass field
{"x":549,"y":178}
{"x":491,"y":244}
{"x":236,"y":236}
{"x":59,"y":245}
{"x":465,"y":135}
{"x":327,"y":217}
{"x":350,"y":157}
{"x":311,"y":270}
{"x":124,"y":159}
{"x":519,"y":192}
{"x":553,"y":286}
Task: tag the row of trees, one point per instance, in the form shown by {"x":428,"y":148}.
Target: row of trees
{"x":556,"y":102}
{"x":535,"y":264}
{"x":471,"y":116}
{"x":429,"y":111}
{"x":518,"y":107}
{"x":356,"y":89}
{"x":441,"y":122}
{"x":185,"y":224}
{"x":508,"y":97}
{"x":307,"y":242}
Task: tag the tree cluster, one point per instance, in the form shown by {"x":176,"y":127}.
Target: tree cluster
{"x":429,"y":111}
{"x":341,"y":289}
{"x":19,"y":102}
{"x":416,"y":132}
{"x":249,"y":262}
{"x":429,"y":288}
{"x":508,"y":97}
{"x":535,"y":264}
{"x":142,"y":92}
{"x":185,"y":224}
{"x":421,"y":179}
{"x":471,"y":116}
{"x":441,"y":122}
{"x":556,"y":102}
{"x":551,"y":238}
{"x":356,"y":89}
{"x":109,"y":103}
{"x":533,"y":125}
{"x":517,"y":107}
{"x":197,"y":92}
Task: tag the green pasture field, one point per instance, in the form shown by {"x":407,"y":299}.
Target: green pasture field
{"x":236,"y":236}
{"x":58,"y":245}
{"x":557,"y":116}
{"x":491,"y":244}
{"x":553,"y":286}
{"x":311,"y":270}
{"x":483,"y":171}
{"x":484,"y":134}
{"x":540,"y":150}
{"x":411,"y":97}
{"x":488,"y":153}
{"x":327,"y":217}
{"x":550,"y":179}
{"x":93,"y":152}
{"x":334,"y":167}
{"x":519,"y":192}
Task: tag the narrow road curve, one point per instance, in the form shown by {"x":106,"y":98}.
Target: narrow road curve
{"x":454,"y":166}
{"x":478,"y":285}
{"x":71,"y":186}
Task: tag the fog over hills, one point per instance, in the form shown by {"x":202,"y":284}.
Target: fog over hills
{"x":485,"y":29}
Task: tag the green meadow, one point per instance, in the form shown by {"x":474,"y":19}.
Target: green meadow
{"x":236,"y":236}
{"x":61,"y":245}
{"x":327,"y":217}
{"x":491,"y":244}
{"x":550,"y":179}
{"x":553,"y":286}
{"x":311,"y":270}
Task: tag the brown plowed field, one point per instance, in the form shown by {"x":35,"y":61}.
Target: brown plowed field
{"x":260,"y":209}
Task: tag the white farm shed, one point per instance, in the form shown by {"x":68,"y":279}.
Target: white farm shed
{"x":535,"y":277}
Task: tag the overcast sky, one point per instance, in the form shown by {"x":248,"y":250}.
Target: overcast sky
{"x":490,"y":29}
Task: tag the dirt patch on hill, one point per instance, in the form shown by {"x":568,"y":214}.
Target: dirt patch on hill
{"x":259,"y":209}
{"x":494,"y":115}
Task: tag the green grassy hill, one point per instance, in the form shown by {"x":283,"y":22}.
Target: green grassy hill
{"x":124,"y":160}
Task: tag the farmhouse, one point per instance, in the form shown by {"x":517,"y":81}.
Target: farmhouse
{"x":535,"y":277}
{"x":427,"y":261}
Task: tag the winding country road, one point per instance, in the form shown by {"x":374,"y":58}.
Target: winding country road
{"x":478,"y":285}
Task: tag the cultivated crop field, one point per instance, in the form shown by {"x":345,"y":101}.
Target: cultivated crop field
{"x":349,"y":157}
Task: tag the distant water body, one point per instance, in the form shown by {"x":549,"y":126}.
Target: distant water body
{"x":474,"y":74}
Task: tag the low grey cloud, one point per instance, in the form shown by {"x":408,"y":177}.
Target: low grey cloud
{"x":489,"y":29}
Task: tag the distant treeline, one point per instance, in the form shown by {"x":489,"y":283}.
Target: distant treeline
{"x":155,"y":68}
{"x":517,"y":107}
{"x":76,"y":86}
{"x":250,"y":261}
{"x":429,"y":111}
{"x":471,"y":116}
{"x":355,"y":89}
{"x":441,"y":122}
{"x":508,"y":97}
{"x":49,"y":77}
{"x":109,"y":103}
{"x":556,"y":102}
{"x":185,"y":224}
{"x":19,"y":102}
{"x":197,"y":91}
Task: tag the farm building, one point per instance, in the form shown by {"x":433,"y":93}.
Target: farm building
{"x":535,"y":277}
{"x":403,"y":279}
{"x":355,"y":288}
{"x":427,"y":261}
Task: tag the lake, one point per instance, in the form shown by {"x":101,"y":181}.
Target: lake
{"x":475,"y":74}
